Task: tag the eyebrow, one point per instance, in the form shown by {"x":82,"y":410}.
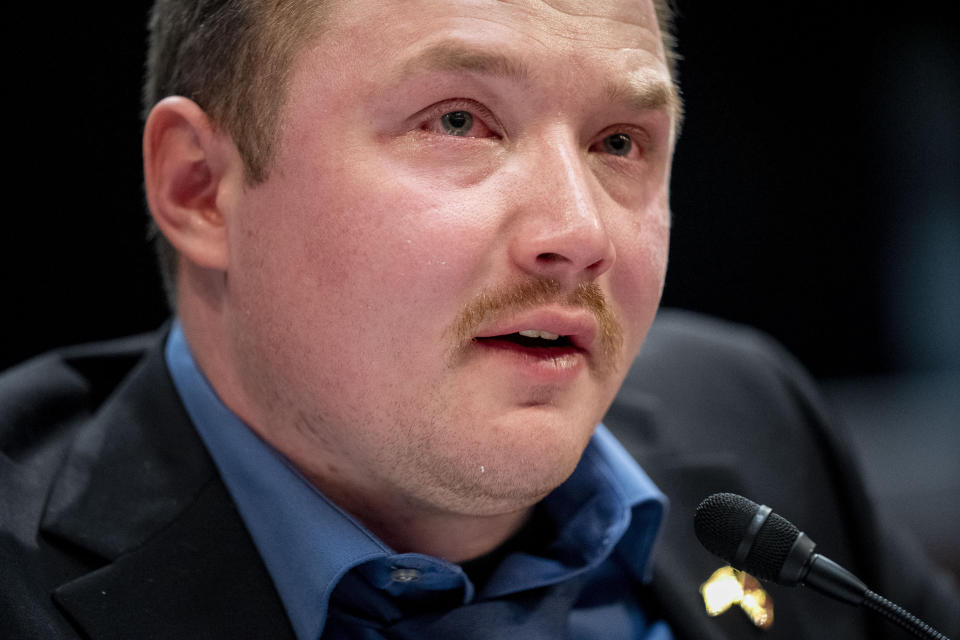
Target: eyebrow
{"x":453,"y":56}
{"x":646,"y":94}
{"x":640,"y":94}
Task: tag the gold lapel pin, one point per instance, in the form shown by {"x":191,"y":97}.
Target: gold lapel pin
{"x":728,"y":586}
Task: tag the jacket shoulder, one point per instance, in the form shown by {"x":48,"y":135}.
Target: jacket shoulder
{"x":45,"y":404}
{"x":45,"y":395}
{"x":704,"y":376}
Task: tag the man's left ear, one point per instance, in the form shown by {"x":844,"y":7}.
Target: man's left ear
{"x":187,"y":166}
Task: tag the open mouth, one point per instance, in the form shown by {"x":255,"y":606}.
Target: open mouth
{"x":541,"y":341}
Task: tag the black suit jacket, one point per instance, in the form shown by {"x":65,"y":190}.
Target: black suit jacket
{"x":115,"y":524}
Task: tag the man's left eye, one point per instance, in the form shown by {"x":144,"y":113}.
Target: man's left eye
{"x":618,"y":144}
{"x":629,"y":143}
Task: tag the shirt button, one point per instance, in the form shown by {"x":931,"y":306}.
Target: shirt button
{"x":401,"y":574}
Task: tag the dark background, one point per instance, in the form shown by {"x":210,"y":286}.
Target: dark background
{"x":816,"y":195}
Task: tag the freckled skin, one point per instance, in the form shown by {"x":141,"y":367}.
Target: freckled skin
{"x":349,"y":265}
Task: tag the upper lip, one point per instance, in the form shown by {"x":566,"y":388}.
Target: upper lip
{"x":578,"y":325}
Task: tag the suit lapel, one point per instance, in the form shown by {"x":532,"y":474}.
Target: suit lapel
{"x":139,"y":492}
{"x":680,"y":563}
{"x":136,"y":466}
{"x":200,"y":577}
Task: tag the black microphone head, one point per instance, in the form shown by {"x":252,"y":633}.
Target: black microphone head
{"x":722,"y":522}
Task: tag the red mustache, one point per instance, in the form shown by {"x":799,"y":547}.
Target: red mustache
{"x":533,"y":293}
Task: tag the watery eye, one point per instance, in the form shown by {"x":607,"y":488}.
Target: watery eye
{"x":457,"y":123}
{"x":618,"y":144}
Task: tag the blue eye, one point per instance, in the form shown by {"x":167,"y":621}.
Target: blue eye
{"x":457,"y":123}
{"x":618,"y":144}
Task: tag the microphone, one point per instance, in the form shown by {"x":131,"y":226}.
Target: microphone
{"x":752,"y":538}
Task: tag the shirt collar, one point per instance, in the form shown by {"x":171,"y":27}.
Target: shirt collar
{"x":308,"y":543}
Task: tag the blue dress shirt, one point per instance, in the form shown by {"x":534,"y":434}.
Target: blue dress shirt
{"x":601,"y":524}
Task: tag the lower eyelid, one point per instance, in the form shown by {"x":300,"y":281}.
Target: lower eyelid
{"x":637,"y":151}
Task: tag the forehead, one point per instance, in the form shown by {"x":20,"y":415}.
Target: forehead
{"x":610,"y":17}
{"x":611,"y":43}
{"x":539,"y":26}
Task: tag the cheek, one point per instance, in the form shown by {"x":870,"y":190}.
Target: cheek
{"x":410,"y":238}
{"x":637,"y":280}
{"x":334,"y":254}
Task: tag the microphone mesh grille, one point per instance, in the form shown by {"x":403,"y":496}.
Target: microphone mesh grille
{"x":771,"y":548}
{"x":721,"y":522}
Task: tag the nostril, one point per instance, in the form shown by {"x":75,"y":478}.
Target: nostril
{"x":551,"y":258}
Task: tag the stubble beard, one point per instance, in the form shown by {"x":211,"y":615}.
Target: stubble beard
{"x":432,"y":452}
{"x":493,"y":473}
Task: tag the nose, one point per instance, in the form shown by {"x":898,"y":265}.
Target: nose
{"x":559,"y":232}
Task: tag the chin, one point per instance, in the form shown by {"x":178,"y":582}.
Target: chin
{"x":508,"y":474}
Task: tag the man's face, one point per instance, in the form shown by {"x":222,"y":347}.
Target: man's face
{"x":449,"y":175}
